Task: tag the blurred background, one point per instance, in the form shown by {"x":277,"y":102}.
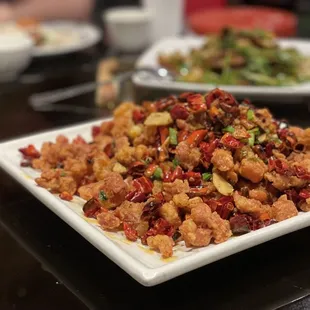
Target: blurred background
{"x":47,"y":45}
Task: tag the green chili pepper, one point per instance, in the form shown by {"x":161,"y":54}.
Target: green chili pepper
{"x":255,"y":131}
{"x":173,"y":136}
{"x":206,"y":176}
{"x":158,"y":173}
{"x":175,"y":163}
{"x":250,"y":115}
{"x":230,"y":129}
{"x":251,"y":140}
{"x":102,"y":196}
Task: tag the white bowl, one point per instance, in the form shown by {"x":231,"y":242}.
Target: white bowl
{"x":15,"y":54}
{"x":128,"y":28}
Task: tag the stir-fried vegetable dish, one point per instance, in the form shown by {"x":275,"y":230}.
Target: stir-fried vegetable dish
{"x":239,"y":57}
{"x":194,"y":168}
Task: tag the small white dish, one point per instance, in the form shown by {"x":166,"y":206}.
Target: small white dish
{"x":144,"y":265}
{"x":185,"y":44}
{"x":128,"y":28}
{"x":15,"y":54}
{"x":79,"y":37}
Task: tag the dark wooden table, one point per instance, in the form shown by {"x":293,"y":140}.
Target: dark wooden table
{"x":45,"y":264}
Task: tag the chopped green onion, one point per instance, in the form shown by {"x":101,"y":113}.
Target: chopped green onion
{"x":251,"y":139}
{"x":175,"y":163}
{"x":147,"y":160}
{"x":158,"y":173}
{"x":206,"y":176}
{"x":230,"y":129}
{"x":255,"y":131}
{"x":63,"y":174}
{"x":173,"y":136}
{"x":250,"y":115}
{"x":102,"y":196}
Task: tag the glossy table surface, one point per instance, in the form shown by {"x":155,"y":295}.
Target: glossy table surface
{"x":45,"y":264}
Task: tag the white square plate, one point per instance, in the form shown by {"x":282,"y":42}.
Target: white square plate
{"x":144,"y":265}
{"x":185,"y":44}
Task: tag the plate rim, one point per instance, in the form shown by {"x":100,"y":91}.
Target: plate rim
{"x":300,"y":90}
{"x":80,"y":27}
{"x":145,"y":275}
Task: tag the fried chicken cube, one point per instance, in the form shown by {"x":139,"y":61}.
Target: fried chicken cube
{"x":220,"y":228}
{"x":129,"y":212}
{"x":189,"y":157}
{"x":194,"y":235}
{"x":181,"y":200}
{"x":170,"y":213}
{"x":172,"y":188}
{"x":162,"y":243}
{"x":283,"y":209}
{"x":253,"y":169}
{"x":222,"y":160}
{"x":108,"y":221}
{"x":201,"y":213}
{"x":248,"y":205}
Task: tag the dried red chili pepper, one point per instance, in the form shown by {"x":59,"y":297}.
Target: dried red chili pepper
{"x":138,"y":116}
{"x":197,"y":102}
{"x":179,"y":111}
{"x":177,"y":174}
{"x":91,"y":207}
{"x":231,"y":142}
{"x":224,"y":206}
{"x":182,"y":135}
{"x":282,"y":133}
{"x":167,"y":176}
{"x":151,"y":210}
{"x":164,"y":103}
{"x":159,"y":197}
{"x":136,"y":169}
{"x":164,"y":133}
{"x":130,"y":233}
{"x":302,"y":173}
{"x":279,"y":166}
{"x":183,"y":97}
{"x":159,"y":227}
{"x":221,"y":95}
{"x":243,"y":223}
{"x":225,"y":211}
{"x":194,"y":178}
{"x":30,"y":152}
{"x":271,"y":164}
{"x":95,"y":131}
{"x":79,"y":140}
{"x":196,"y":137}
{"x":143,"y":184}
{"x":109,"y":150}
{"x":150,"y":170}
{"x":258,"y":224}
{"x":268,"y":148}
{"x":240,"y":224}
{"x":292,"y":195}
{"x":207,"y":150}
{"x":304,"y":194}
{"x":135,"y":196}
{"x":199,"y":191}
{"x":212,"y":203}
{"x":65,"y":196}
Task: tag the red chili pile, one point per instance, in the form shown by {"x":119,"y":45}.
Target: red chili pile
{"x":193,"y":168}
